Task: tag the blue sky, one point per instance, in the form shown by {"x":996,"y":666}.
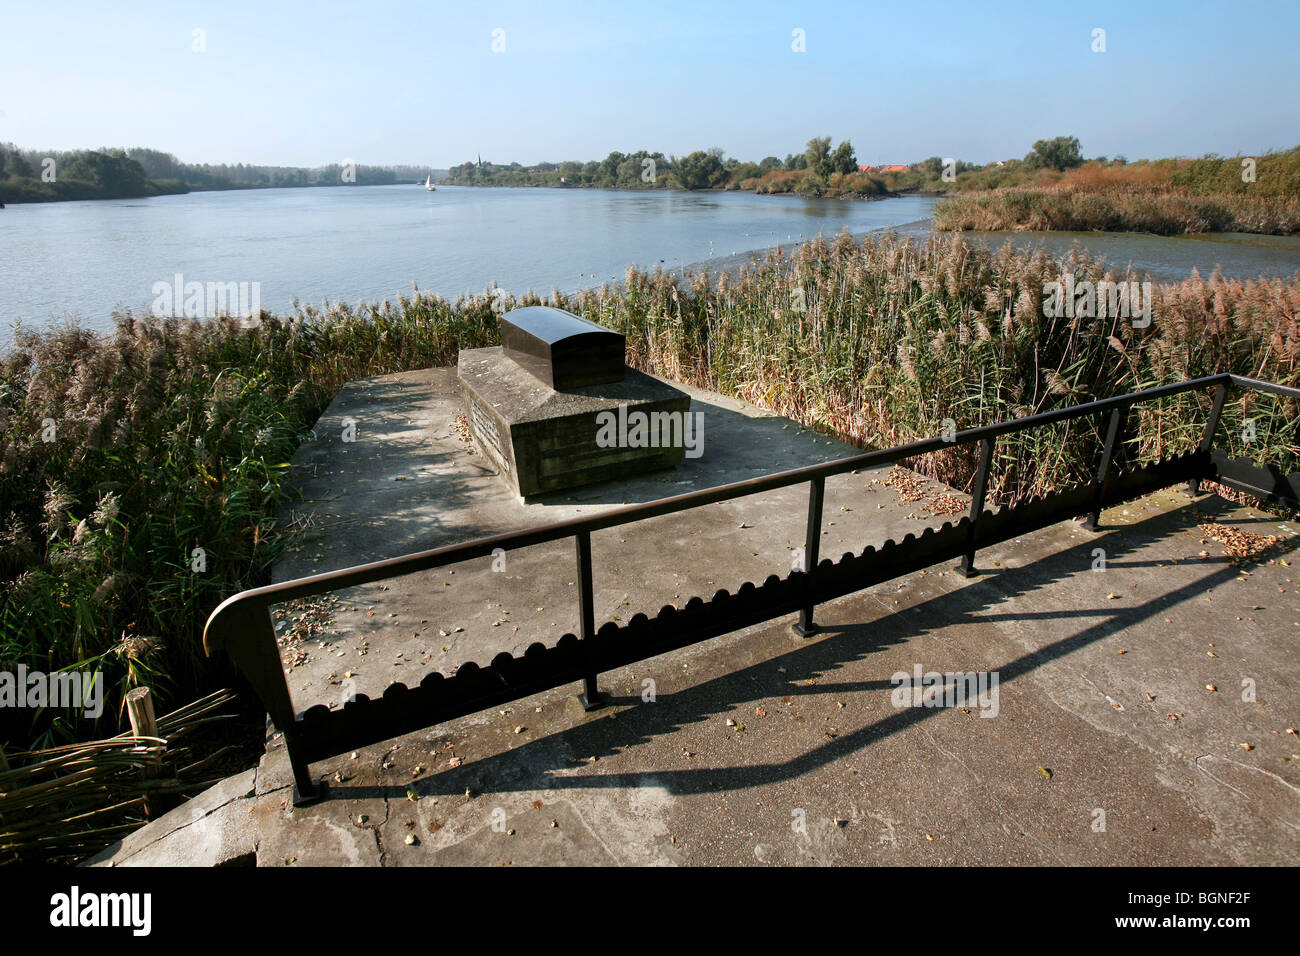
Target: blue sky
{"x":312,"y":83}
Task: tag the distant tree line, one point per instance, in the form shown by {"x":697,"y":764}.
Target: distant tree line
{"x":821,"y":169}
{"x":702,"y":169}
{"x":28,"y":175}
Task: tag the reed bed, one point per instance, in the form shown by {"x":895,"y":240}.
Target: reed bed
{"x":172,"y":435}
{"x":1116,"y":208}
{"x":61,"y":803}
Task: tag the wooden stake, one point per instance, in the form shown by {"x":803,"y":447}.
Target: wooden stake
{"x":139,"y":707}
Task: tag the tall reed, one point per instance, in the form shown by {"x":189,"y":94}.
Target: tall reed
{"x":1117,"y":208}
{"x":171,"y":435}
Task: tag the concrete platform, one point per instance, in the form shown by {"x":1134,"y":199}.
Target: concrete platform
{"x":1108,"y":746}
{"x":409,"y":482}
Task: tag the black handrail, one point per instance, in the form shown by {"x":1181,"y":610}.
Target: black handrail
{"x":241,"y":624}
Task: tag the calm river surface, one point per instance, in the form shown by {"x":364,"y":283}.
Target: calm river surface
{"x":83,"y":259}
{"x":371,"y":242}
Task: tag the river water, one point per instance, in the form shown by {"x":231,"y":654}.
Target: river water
{"x":81,"y":260}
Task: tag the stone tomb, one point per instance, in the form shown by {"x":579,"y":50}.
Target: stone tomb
{"x":535,"y":403}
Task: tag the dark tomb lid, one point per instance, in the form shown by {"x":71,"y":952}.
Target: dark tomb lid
{"x":564,"y":350}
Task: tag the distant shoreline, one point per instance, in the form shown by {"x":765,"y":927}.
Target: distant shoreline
{"x":845,"y":197}
{"x":733,"y":263}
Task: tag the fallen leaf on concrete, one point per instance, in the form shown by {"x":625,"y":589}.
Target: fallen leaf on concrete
{"x":1046,"y":774}
{"x":1240,"y":545}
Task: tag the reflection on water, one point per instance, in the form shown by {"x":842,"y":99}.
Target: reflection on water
{"x":372,"y":242}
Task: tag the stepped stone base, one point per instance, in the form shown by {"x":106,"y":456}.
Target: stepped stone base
{"x":544,"y":441}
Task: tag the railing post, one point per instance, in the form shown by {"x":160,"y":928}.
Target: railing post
{"x":244,"y":630}
{"x":811,"y":553}
{"x":966,"y":567}
{"x":590,"y":697}
{"x":1114,"y":430}
{"x":1211,"y":426}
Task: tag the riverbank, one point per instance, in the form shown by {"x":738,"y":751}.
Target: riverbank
{"x":1167,"y":259}
{"x":20,"y":191}
{"x":1123,"y":208}
{"x":15,"y":191}
{"x":732,"y":264}
{"x":834,"y":190}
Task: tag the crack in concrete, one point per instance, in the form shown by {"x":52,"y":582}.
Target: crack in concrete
{"x":1244,"y":795}
{"x":592,"y":831}
{"x":242,"y":796}
{"x":1007,"y":814}
{"x":379,"y":839}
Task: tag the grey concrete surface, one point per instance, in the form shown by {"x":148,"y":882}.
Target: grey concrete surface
{"x":1108,"y":745}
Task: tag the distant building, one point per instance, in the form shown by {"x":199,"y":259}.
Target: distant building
{"x":882,"y":169}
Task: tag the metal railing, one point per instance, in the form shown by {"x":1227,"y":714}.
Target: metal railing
{"x":242,"y":625}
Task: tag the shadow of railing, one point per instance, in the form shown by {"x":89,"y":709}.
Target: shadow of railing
{"x":242,"y":624}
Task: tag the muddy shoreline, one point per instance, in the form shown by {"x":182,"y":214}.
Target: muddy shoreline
{"x":732,"y":264}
